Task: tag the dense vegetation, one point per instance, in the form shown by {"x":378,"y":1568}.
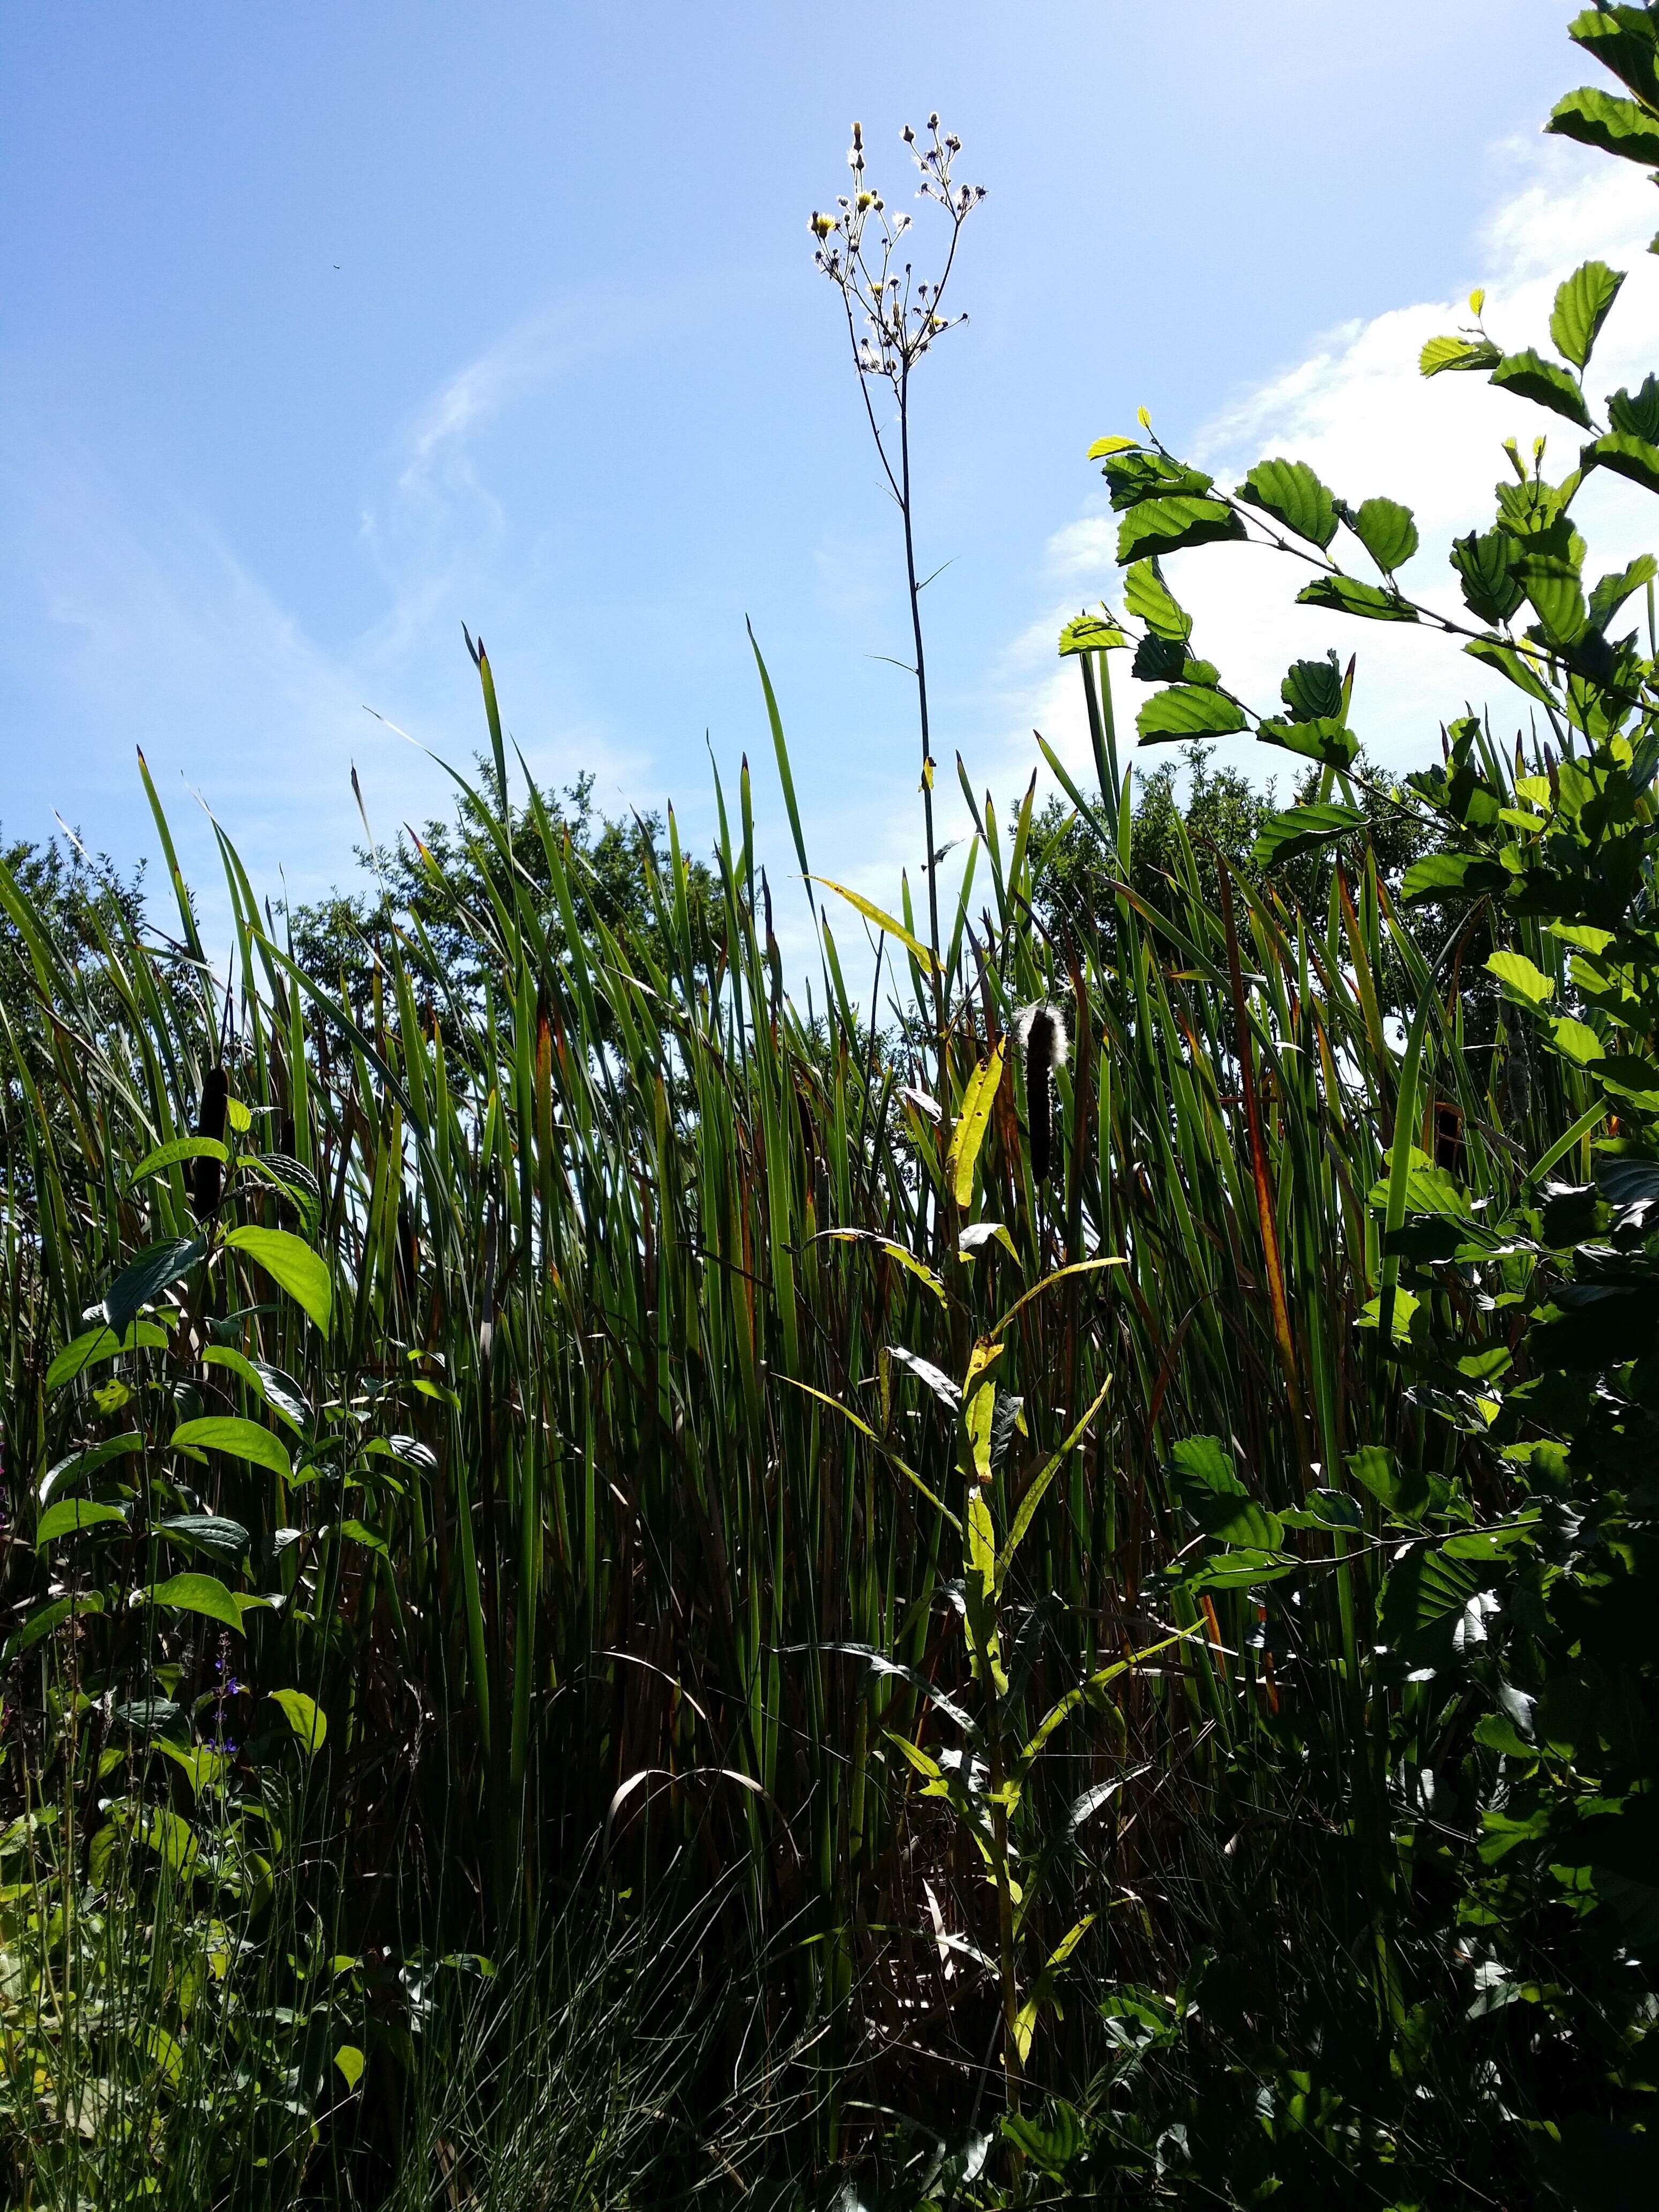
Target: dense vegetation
{"x":614,"y":1593}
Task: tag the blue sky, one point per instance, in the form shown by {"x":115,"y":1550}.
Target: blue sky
{"x":331,"y":327}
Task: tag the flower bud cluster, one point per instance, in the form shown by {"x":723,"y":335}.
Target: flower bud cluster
{"x":893,"y":315}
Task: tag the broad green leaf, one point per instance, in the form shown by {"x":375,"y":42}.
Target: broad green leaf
{"x":1301,"y":830}
{"x":1348,"y":595}
{"x":1426,"y":1598}
{"x":201,"y":1767}
{"x":1164,"y":660}
{"x":1627,"y":456}
{"x":1313,"y":689}
{"x":884,"y":922}
{"x":1403,"y":1491}
{"x":1631,"y":1076}
{"x":305,"y":1716}
{"x":1188,"y":710}
{"x":102,"y":1343}
{"x":1578,"y":1040}
{"x":1529,"y":376}
{"x":1242,"y":1569}
{"x":1441,"y":354}
{"x":1550,"y":579}
{"x":1050,"y":2145}
{"x":279,"y":1391}
{"x":1324,"y":739}
{"x":170,"y":1836}
{"x":973,"y":1118}
{"x":80,"y":1464}
{"x":193,"y":1593}
{"x":208,"y":1532}
{"x":1102,"y":448}
{"x":291,"y":1261}
{"x":41,"y":1624}
{"x":181,"y":1148}
{"x":164,"y":2054}
{"x":1626,"y":41}
{"x":71,"y":1515}
{"x":1237,"y":1521}
{"x":1524,"y":984}
{"x":1424,"y":1189}
{"x":241,"y":1440}
{"x":349,"y":2060}
{"x":1636,"y":413}
{"x":1611,"y":593}
{"x":1326,"y":1509}
{"x":1134,"y":479}
{"x":1581,"y":307}
{"x":1605,"y":120}
{"x":1150,"y":600}
{"x":1206,"y":1461}
{"x":1509,"y":661}
{"x":1090,"y":634}
{"x":1292,"y":494}
{"x":1164,"y":525}
{"x":359,"y":1532}
{"x":1387,"y":531}
{"x":155,"y":1268}
{"x":297,"y":1184}
{"x":1484,"y":561}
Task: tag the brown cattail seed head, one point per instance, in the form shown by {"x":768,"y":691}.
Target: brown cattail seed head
{"x":207,"y":1176}
{"x":1040,"y":1033}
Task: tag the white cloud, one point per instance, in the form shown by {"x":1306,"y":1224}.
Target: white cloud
{"x":1356,"y":409}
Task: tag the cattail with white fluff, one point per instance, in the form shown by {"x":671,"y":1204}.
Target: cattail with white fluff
{"x":1040,"y":1033}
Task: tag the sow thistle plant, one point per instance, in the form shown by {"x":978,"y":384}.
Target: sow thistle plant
{"x":894,"y":317}
{"x":985,"y":1779}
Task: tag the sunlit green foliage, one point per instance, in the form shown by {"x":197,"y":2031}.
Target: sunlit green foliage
{"x":608,"y":1599}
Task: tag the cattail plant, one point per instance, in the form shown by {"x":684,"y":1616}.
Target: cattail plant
{"x":207,"y":1173}
{"x":1040,"y":1033}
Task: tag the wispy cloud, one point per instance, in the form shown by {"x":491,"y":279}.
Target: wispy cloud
{"x":134,"y":619}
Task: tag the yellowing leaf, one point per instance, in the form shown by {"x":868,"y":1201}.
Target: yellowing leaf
{"x":882,"y":920}
{"x":1077,"y":1267}
{"x":979,"y":1095}
{"x":981,"y":1407}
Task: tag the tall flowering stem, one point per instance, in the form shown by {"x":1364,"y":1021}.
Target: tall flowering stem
{"x":894,"y":316}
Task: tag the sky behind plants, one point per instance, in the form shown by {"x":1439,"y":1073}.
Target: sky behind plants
{"x":330,"y":329}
